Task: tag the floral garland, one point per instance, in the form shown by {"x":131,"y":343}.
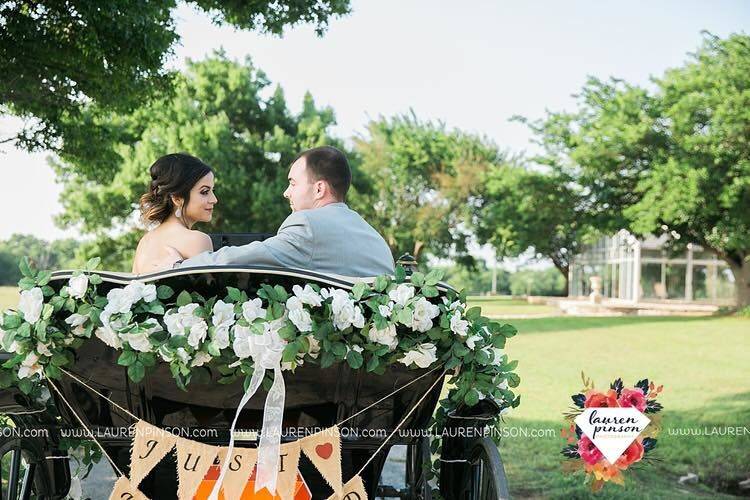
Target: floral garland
{"x":583,"y":453}
{"x":370,"y":327}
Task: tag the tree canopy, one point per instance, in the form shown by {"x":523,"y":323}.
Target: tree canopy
{"x":674,"y":160}
{"x":58,"y":55}
{"x":222,"y":112}
{"x":420,"y":183}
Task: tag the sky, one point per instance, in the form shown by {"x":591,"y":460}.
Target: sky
{"x":472,"y":65}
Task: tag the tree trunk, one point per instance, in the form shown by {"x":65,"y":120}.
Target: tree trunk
{"x":741,"y":282}
{"x":563,"y":268}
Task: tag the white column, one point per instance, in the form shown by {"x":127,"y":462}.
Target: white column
{"x":689,"y":274}
{"x":636,"y":271}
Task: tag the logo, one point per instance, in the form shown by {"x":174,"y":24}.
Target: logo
{"x":610,"y":430}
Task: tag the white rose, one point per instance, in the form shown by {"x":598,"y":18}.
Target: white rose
{"x":357,"y":348}
{"x":220,"y":337}
{"x":75,"y":320}
{"x":43,"y":349}
{"x":78,"y":285}
{"x":423,"y":356}
{"x":30,"y":366}
{"x":183,"y":356}
{"x":149,"y":293}
{"x":424,"y":312}
{"x":471,"y":341}
{"x":386,"y":336}
{"x":459,"y":326}
{"x":307,"y":295}
{"x":340,"y":300}
{"x":294,"y":303}
{"x":241,"y":344}
{"x":265,"y":349}
{"x":109,"y":337}
{"x":137,"y":341}
{"x":386,"y":310}
{"x":134,"y":291}
{"x":165,"y":353}
{"x":197,"y":334}
{"x":301,"y":319}
{"x":314,"y":346}
{"x":223,"y":314}
{"x":201,"y":358}
{"x":495,"y":354}
{"x":359,"y":319}
{"x":253,"y":309}
{"x":177,"y":322}
{"x":118,"y":301}
{"x":31,"y":304}
{"x":401,"y":294}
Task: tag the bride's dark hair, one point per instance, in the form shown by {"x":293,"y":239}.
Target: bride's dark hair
{"x":171,"y":175}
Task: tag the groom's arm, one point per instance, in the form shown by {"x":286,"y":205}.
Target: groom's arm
{"x":291,"y":247}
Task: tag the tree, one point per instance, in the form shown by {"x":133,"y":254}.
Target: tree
{"x":420,"y":182}
{"x":57,"y":55}
{"x":545,"y":282}
{"x":58,"y":254}
{"x":524,"y":210}
{"x":676,"y":160}
{"x":219,"y":113}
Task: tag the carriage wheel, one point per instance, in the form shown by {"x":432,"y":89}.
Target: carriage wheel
{"x":22,"y":470}
{"x":486,"y":479}
{"x":416,"y":455}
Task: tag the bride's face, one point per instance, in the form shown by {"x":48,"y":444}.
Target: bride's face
{"x":200,"y":207}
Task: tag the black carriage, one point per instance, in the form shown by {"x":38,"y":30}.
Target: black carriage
{"x":316,"y":398}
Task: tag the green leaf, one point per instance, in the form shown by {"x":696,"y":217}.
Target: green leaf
{"x":25,"y":385}
{"x":400,"y":274}
{"x":472,"y":397}
{"x":59,"y":359}
{"x":473,"y":313}
{"x":24,"y":330}
{"x":405,"y":317}
{"x":513,"y":379}
{"x":147,"y":358}
{"x":12,"y":321}
{"x":136,"y":371}
{"x":163,"y":292}
{"x":184,"y":298}
{"x":359,"y":290}
{"x":326,"y":359}
{"x":95,"y":279}
{"x":339,"y":349}
{"x":433,"y":277}
{"x":381,"y":283}
{"x":234,"y":294}
{"x":510,"y":366}
{"x":93,"y":263}
{"x":127,"y":358}
{"x":281,"y":293}
{"x":417,"y":278}
{"x":429,"y":291}
{"x":354,"y":359}
{"x":290,"y":352}
{"x":26,"y":268}
{"x":26,"y":283}
{"x":155,"y":308}
{"x":373,"y":364}
{"x":43,"y":278}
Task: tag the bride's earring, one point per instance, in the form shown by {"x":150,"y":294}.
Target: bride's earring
{"x":178,"y":213}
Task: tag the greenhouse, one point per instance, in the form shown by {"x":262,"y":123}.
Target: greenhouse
{"x":637,"y":270}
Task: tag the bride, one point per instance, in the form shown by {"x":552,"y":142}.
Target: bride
{"x":181,"y":194}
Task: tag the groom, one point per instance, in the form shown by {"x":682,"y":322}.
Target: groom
{"x":321,"y":234}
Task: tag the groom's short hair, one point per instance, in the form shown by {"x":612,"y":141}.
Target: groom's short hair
{"x":326,"y":163}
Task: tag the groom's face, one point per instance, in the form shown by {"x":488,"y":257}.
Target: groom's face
{"x":301,"y":191}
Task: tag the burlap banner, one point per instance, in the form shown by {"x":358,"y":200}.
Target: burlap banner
{"x":241,"y":466}
{"x":193,"y":461}
{"x":124,"y":490}
{"x":150,"y":445}
{"x":354,"y":489}
{"x":324,"y":451}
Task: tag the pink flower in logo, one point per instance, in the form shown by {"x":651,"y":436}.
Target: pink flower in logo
{"x":588,"y":451}
{"x":632,"y":454}
{"x":595,"y":399}
{"x":633,"y":398}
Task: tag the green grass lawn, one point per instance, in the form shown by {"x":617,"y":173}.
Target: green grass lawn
{"x":703,"y":364}
{"x":497,"y":307}
{"x":8,"y":297}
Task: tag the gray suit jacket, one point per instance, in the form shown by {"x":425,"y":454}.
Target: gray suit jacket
{"x":332,"y":239}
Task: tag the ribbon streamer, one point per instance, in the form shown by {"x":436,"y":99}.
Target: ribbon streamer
{"x":270,"y":437}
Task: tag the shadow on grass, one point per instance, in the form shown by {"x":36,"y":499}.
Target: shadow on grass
{"x":696,"y":441}
{"x":566,"y":323}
